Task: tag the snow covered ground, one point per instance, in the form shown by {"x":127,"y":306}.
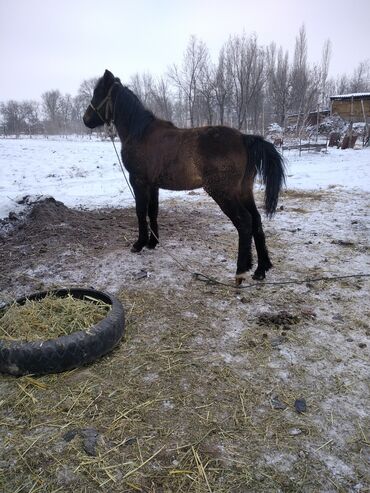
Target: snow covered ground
{"x":85,"y":173}
{"x":205,"y":364}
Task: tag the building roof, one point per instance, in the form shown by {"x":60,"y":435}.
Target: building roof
{"x":355,"y":95}
{"x":313,"y":112}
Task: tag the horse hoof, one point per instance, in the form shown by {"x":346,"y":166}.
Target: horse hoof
{"x":239,"y":278}
{"x":258,"y":276}
{"x":136,"y":249}
{"x":152,"y":244}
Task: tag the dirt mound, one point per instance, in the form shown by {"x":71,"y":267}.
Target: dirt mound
{"x":43,"y":210}
{"x":49,"y":210}
{"x":48,"y":233}
{"x":48,"y":217}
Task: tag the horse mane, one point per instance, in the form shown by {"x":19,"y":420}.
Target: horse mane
{"x":132,"y":113}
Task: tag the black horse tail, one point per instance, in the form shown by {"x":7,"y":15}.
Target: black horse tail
{"x":268,"y":163}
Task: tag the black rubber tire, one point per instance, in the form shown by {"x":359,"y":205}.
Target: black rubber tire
{"x":65,"y":352}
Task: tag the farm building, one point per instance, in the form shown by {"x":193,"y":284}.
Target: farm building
{"x":353,"y":107}
{"x":310,"y":119}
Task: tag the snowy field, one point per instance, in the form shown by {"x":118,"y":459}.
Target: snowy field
{"x":85,"y":173}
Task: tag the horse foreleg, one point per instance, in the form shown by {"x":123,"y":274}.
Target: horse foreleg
{"x":153,"y":214}
{"x":142,"y":202}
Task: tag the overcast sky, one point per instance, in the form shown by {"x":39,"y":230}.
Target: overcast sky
{"x":49,"y":44}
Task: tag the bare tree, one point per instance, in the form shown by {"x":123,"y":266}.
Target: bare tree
{"x":342,"y":84}
{"x":237,"y":68}
{"x":86,"y":89}
{"x":299,"y":74}
{"x":279,"y":84}
{"x":360,"y":81}
{"x":325,"y":62}
{"x":222,"y":85}
{"x":20,"y":117}
{"x":143,"y":87}
{"x":11,"y":117}
{"x":305,"y":82}
{"x":66,"y":112}
{"x":207,"y":100}
{"x":187,"y":77}
{"x":162,"y":104}
{"x":154,"y":94}
{"x":180,"y":109}
{"x":245,"y":61}
{"x":312,"y":92}
{"x":30,"y":116}
{"x":51,"y":105}
{"x":81,"y":102}
{"x":78,"y":110}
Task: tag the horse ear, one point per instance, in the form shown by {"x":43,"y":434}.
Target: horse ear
{"x":108,"y":76}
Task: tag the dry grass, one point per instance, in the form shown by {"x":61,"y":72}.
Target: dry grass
{"x":304,"y":195}
{"x":50,"y":317}
{"x":170,"y":415}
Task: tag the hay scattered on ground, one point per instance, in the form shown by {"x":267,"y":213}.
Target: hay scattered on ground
{"x":200,"y":394}
{"x":50,"y":317}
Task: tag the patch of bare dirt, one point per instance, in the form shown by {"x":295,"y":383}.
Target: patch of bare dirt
{"x":201,"y":395}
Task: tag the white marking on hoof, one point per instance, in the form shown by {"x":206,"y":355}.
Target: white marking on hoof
{"x":239,"y":278}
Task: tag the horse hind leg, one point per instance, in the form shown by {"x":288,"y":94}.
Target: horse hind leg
{"x":264,"y":262}
{"x":242,"y":220}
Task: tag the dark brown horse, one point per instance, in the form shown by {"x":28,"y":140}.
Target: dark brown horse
{"x":220,"y":159}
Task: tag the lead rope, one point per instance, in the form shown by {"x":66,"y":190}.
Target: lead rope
{"x":211,"y":280}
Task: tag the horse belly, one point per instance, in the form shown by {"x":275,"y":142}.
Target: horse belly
{"x":180,"y":177}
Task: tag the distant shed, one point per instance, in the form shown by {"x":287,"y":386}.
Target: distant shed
{"x":352,"y":107}
{"x":310,"y":119}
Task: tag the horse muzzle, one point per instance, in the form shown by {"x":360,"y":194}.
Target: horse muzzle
{"x":91,"y":119}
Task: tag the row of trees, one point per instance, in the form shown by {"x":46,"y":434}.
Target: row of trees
{"x":56,"y":114}
{"x":248,"y":87}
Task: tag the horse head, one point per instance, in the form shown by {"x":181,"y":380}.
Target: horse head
{"x":101,"y":107}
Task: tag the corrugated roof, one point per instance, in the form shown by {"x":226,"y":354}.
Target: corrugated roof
{"x":355,"y":95}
